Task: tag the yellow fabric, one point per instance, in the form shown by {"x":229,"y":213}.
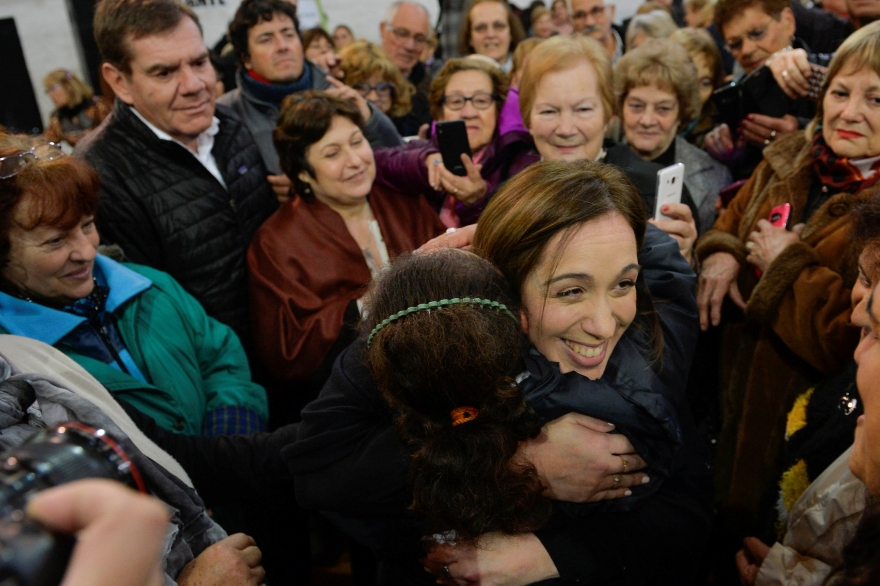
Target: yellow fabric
{"x":797,"y":417}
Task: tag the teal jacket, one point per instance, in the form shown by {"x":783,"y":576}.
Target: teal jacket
{"x":188,"y":371}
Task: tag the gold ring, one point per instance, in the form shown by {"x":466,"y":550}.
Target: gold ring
{"x":625,"y":465}
{"x":454,"y":191}
{"x":616,"y":480}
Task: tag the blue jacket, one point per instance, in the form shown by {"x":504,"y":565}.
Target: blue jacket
{"x":185,"y":369}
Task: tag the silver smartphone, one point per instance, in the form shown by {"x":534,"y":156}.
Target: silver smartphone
{"x":669,"y":185}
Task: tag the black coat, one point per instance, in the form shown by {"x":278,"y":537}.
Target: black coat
{"x":165,"y":210}
{"x":348,"y":462}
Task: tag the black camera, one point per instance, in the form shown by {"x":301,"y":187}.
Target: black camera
{"x":29,"y":554}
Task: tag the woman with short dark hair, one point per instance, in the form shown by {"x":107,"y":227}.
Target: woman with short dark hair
{"x":310,"y":261}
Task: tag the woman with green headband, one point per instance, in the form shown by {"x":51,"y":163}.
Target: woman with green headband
{"x":575,"y":258}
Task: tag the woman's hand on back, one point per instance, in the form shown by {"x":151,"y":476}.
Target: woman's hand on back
{"x":578,"y":460}
{"x":468,"y":189}
{"x":497,"y":560}
{"x":717,"y":280}
{"x":681,"y":226}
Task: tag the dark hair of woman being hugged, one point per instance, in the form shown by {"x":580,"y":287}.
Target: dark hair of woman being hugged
{"x":462,"y":425}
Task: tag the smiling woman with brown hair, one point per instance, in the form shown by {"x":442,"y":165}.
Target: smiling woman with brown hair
{"x":310,"y":262}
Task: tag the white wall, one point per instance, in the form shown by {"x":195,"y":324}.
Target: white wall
{"x":47,"y":40}
{"x":49,"y":43}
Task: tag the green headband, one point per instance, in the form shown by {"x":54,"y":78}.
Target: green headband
{"x":437,"y":305}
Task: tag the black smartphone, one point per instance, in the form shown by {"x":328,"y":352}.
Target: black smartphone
{"x":728,"y":104}
{"x":453,"y":141}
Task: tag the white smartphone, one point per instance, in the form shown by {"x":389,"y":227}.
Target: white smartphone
{"x":669,"y":185}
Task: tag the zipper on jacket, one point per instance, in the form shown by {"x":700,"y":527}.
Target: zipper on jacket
{"x":105,"y":337}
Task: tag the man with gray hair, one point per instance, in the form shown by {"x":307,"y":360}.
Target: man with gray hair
{"x":594,"y":18}
{"x":405,"y":32}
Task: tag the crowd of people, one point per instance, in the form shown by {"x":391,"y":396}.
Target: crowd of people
{"x":260,"y":270}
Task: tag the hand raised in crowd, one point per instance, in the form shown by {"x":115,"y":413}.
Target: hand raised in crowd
{"x":721,"y":145}
{"x":717,"y":280}
{"x":681,"y":227}
{"x":467,"y":189}
{"x":119,"y":532}
{"x":761,"y":130}
{"x":340,"y":90}
{"x":281,"y":186}
{"x":453,"y":238}
{"x":749,"y":560}
{"x":234,"y":560}
{"x":765,"y":244}
{"x":579,"y":461}
{"x":496,"y":560}
{"x":792,"y":72}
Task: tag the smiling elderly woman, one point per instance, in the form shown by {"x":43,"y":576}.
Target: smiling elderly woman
{"x":795,"y":326}
{"x":472,"y":90}
{"x":133,"y":328}
{"x":656,"y":86}
{"x":311,"y":261}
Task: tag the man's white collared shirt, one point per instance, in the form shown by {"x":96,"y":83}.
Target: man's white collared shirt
{"x":204,"y":144}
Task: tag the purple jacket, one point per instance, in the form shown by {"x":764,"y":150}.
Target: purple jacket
{"x":403,"y":169}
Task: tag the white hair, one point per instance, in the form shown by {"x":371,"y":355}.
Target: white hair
{"x":656,"y":24}
{"x":391,"y":13}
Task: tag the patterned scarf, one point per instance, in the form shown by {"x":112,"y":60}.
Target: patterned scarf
{"x":838,"y":172}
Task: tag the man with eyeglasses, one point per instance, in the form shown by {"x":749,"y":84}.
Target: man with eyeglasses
{"x":755,"y":33}
{"x":405,"y":31}
{"x":596,"y":19}
{"x":265,"y":35}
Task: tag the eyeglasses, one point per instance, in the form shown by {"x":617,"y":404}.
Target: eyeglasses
{"x":480,"y":100}
{"x":755,"y":35}
{"x":596,"y":12}
{"x":384,"y":89}
{"x":12,"y":165}
{"x":404,"y":35}
{"x":497,"y":26}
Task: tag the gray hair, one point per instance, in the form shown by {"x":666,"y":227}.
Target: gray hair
{"x":656,"y":24}
{"x":391,"y":13}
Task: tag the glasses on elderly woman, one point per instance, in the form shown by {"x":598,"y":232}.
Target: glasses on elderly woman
{"x":480,"y":100}
{"x":384,"y":89}
{"x":11,"y":165}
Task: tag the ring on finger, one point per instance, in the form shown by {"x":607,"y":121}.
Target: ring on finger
{"x":766,"y":141}
{"x":772,"y":134}
{"x":616,"y":480}
{"x":785,"y":73}
{"x":625,"y":465}
{"x":454,"y":191}
{"x":750,"y":245}
{"x":446,"y":572}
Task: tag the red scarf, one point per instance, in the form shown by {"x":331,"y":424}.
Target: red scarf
{"x":838,"y":172}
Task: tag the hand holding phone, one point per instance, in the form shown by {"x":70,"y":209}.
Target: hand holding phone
{"x":669,"y":186}
{"x":764,"y":248}
{"x":453,"y":142}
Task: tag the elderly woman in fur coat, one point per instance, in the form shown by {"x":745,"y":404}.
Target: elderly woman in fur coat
{"x":791,"y":283}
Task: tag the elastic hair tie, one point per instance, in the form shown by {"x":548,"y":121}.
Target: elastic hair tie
{"x":461,"y":415}
{"x":438,"y":305}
